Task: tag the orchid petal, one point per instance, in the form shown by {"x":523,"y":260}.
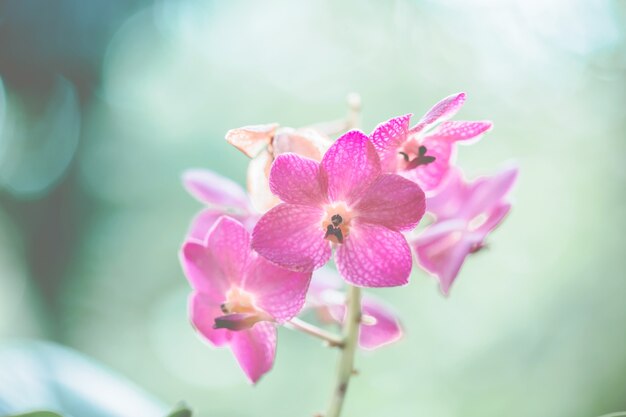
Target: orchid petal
{"x":487,"y":192}
{"x":278,"y":291}
{"x":493,"y":220}
{"x":441,"y":111}
{"x":251,"y":140}
{"x":210,"y":188}
{"x":229,"y":244}
{"x":305,"y":142}
{"x":202,"y":311}
{"x":442,"y":251}
{"x":202,"y":223}
{"x":292,"y":236}
{"x":203,"y":271}
{"x":450,"y":197}
{"x":212,"y":267}
{"x":454,"y":131}
{"x":380,"y":325}
{"x":255,"y":349}
{"x":388,"y":137}
{"x":297,"y":180}
{"x":374,"y":256}
{"x":384,"y":329}
{"x":393,"y":202}
{"x":351,"y":165}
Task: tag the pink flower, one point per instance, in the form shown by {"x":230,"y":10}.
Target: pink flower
{"x":466,"y":213}
{"x":379,"y":325}
{"x":238,"y":296}
{"x":424,"y":153}
{"x":344,"y":202}
{"x":221,"y":196}
{"x":262,"y":143}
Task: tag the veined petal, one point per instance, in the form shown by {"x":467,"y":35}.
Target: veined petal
{"x":374,"y":256}
{"x":277,"y":291}
{"x":292,"y":236}
{"x":213,"y":189}
{"x":441,"y":111}
{"x":385,"y":327}
{"x":380,"y":325}
{"x":255,"y":349}
{"x":350,"y":165}
{"x":487,"y":192}
{"x":202,"y":223}
{"x":450,"y":197}
{"x":213,"y":266}
{"x":393,"y":202}
{"x":203,"y":271}
{"x":297,"y":180}
{"x":251,"y":140}
{"x":229,"y":242}
{"x":388,"y":137}
{"x":202,"y":311}
{"x":454,"y":131}
{"x":442,"y":251}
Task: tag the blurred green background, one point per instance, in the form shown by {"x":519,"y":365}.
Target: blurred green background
{"x":104,"y":103}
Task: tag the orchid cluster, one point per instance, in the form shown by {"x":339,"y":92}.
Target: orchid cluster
{"x":260,"y":259}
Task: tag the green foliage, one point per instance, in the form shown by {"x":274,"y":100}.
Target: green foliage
{"x":181,"y":410}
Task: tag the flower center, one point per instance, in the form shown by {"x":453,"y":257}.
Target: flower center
{"x":409,"y":157}
{"x":240,"y":312}
{"x":238,"y":301}
{"x":336,"y":222}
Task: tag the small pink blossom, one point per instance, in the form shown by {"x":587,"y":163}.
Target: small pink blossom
{"x":263,"y":143}
{"x":346,"y":202}
{"x":221,"y":197}
{"x":466,"y":213}
{"x":425,"y":152}
{"x":238,"y":296}
{"x":379,"y":327}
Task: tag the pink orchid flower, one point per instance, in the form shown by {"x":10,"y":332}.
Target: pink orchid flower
{"x":379,"y":325}
{"x":221,"y":196}
{"x":466,"y":213}
{"x":425,"y":152}
{"x":238,"y":296}
{"x":346,"y":202}
{"x":263,"y":143}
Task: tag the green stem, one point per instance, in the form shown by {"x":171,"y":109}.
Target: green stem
{"x":311,"y":330}
{"x":345,"y":368}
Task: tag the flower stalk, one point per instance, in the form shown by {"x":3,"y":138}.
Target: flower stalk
{"x":312,"y":330}
{"x":345,"y":368}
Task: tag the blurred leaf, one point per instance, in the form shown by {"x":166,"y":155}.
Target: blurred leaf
{"x":38,"y":375}
{"x":39,"y":414}
{"x":181,"y":410}
{"x":37,"y":146}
